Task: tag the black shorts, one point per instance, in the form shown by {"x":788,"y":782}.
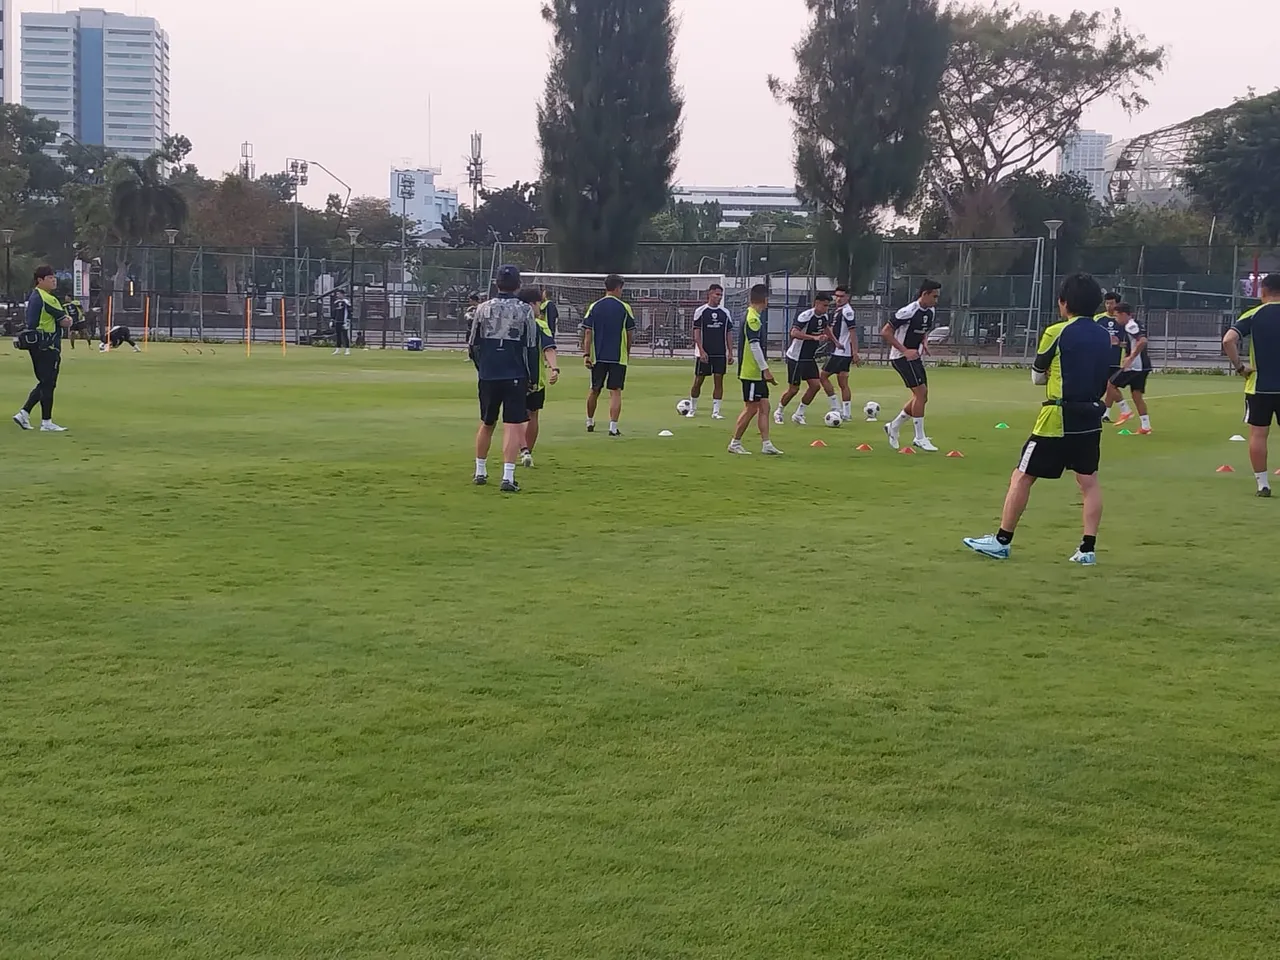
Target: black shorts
{"x":1260,"y":409}
{"x":711,"y":366}
{"x":1046,"y":458}
{"x":837,"y":365}
{"x":753,"y":390}
{"x":536,"y":400}
{"x":510,"y":398}
{"x":911,"y":371}
{"x":1134,"y":381}
{"x":1112,"y":373}
{"x":612,"y":376}
{"x":800,"y":371}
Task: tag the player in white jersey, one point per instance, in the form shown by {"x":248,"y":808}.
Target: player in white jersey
{"x":907,"y":335}
{"x":844,"y":355}
{"x":809,"y":330}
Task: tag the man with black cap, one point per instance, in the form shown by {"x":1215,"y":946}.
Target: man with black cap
{"x":503,"y":344}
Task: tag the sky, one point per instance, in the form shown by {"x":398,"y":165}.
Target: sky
{"x":347,"y":82}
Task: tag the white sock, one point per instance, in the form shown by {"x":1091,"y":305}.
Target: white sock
{"x":1124,"y":406}
{"x":46,"y":422}
{"x":1263,"y":482}
{"x":781,"y":410}
{"x":591,"y":421}
{"x":715,"y":407}
{"x":613,"y":426}
{"x":835,"y":402}
{"x":919,"y":422}
{"x":1146,"y":422}
{"x":901,"y":418}
{"x":482,"y":468}
{"x":508,"y":473}
{"x":846,"y":407}
{"x":800,"y":410}
{"x":693,"y":404}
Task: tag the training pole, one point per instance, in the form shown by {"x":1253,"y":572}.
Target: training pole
{"x":111,"y":299}
{"x":248,"y":331}
{"x":284,"y":347}
{"x":146,"y":322}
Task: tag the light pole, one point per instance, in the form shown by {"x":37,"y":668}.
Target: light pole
{"x":769,"y":230}
{"x":8,"y":265}
{"x":1054,"y":226}
{"x":542,"y":233}
{"x":172,"y":236}
{"x":353,"y":233}
{"x":298,"y":170}
{"x":407,"y":190}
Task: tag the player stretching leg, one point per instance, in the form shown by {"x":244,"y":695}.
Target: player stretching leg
{"x":1262,"y":373}
{"x":755,"y":376}
{"x":843,"y":357}
{"x":1071,"y":363}
{"x":712,"y":340}
{"x":807,"y":331}
{"x":1135,"y":369}
{"x":116,"y":337}
{"x":906,"y":335}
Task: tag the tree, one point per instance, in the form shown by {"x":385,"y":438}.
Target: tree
{"x":867,"y":83}
{"x":378,"y":225}
{"x":279,"y":185}
{"x":143,"y":203}
{"x":26,"y":171}
{"x":609,"y":126}
{"x":1232,"y":167}
{"x":1016,"y":85}
{"x":508,"y":215}
{"x":685,"y":222}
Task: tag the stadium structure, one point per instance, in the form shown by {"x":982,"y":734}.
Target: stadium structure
{"x":1148,"y":169}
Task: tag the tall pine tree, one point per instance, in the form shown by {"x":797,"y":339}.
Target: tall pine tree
{"x":866,"y":85}
{"x":609,"y":125}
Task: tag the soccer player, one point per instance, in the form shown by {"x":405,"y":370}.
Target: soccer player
{"x":1108,"y":319}
{"x":755,"y":376}
{"x":548,"y":367}
{"x":808,"y":330}
{"x":46,"y":320}
{"x":713,"y":342}
{"x":1262,"y":373}
{"x":907,"y":334}
{"x":1135,"y":368}
{"x":606,"y":344}
{"x":1071,"y":363}
{"x":79,"y":324}
{"x":340,"y":313}
{"x":116,"y":336}
{"x":843,"y":357}
{"x":503,"y":344}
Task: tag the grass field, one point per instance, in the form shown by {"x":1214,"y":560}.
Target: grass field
{"x":277,"y":682}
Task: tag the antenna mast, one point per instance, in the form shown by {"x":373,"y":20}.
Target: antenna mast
{"x":475,"y":169}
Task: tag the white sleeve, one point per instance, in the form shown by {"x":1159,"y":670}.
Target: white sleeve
{"x":1132,"y":328}
{"x":909,"y":311}
{"x":1039,"y":378}
{"x":757,"y":351}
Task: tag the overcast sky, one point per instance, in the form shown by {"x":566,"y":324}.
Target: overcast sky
{"x":346,"y":82}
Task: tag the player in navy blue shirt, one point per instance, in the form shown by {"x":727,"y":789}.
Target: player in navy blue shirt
{"x":608,"y":327}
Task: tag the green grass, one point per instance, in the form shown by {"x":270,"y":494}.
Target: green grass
{"x":275,"y":681}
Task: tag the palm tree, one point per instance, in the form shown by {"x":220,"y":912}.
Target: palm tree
{"x":143,"y":203}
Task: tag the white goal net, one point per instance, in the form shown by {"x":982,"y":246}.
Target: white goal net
{"x":663,"y":305}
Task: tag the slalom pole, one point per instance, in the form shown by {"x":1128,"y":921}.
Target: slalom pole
{"x":146,"y":322}
{"x":248,"y":331}
{"x":111,"y":299}
{"x":284,"y":347}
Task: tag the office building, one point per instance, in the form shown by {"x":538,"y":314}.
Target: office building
{"x":430,"y":203}
{"x":739,"y":203}
{"x":1085,"y":155}
{"x":6,"y":47}
{"x":102,"y":77}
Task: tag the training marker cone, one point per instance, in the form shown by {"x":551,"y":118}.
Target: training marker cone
{"x":1237,"y":439}
{"x":1125,"y":433}
{"x":817,"y":443}
{"x":907,"y":450}
{"x":864,"y":448}
{"x":956,"y":455}
{"x":666,"y":433}
{"x":1226,"y":469}
{"x":1002,"y":426}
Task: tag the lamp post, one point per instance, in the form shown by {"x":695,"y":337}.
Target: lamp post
{"x":172,"y":236}
{"x":353,"y":234}
{"x":542,"y":233}
{"x":769,"y":230}
{"x":1054,"y":226}
{"x":8,"y":265}
{"x":298,"y":177}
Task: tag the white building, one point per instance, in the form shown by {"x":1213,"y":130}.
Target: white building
{"x":430,"y":203}
{"x":102,"y":77}
{"x":6,"y":47}
{"x":739,"y":203}
{"x":1085,"y":155}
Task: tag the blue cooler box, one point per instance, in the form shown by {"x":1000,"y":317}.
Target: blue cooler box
{"x":413,"y":343}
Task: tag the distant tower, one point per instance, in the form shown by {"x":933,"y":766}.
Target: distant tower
{"x":247,"y":168}
{"x":475,"y":169}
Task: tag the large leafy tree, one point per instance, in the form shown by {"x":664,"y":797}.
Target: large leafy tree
{"x":1017,"y":84}
{"x":609,"y":126}
{"x":1233,"y":167}
{"x":508,"y":215}
{"x":866,"y":86}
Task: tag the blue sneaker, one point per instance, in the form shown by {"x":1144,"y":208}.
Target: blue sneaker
{"x":988,"y":546}
{"x":1085,"y":559}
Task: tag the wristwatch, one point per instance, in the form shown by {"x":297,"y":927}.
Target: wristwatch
{"x":555,"y":369}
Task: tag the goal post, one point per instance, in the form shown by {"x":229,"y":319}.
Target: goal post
{"x":663,"y":305}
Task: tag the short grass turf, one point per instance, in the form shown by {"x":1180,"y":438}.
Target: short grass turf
{"x":277,"y":682}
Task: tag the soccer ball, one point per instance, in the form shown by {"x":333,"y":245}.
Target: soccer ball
{"x":872,"y":410}
{"x":832,"y":419}
{"x":683,"y":408}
